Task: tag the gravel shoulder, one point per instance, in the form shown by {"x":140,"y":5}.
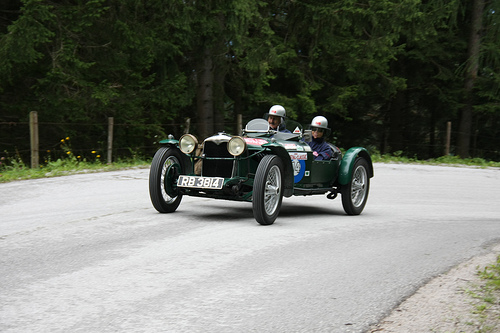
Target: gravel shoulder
{"x":452,"y":302}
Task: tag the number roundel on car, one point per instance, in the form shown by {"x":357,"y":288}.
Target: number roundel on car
{"x":298,"y":165}
{"x":299,"y":169}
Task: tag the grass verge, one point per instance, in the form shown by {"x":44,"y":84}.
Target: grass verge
{"x":487,"y":296}
{"x":17,"y":170}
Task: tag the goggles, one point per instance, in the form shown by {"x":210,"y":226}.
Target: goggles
{"x":317,"y":129}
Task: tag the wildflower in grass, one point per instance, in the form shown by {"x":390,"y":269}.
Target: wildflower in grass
{"x":98,"y":156}
{"x":93,"y":152}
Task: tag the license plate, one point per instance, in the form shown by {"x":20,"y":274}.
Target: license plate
{"x":200,"y":182}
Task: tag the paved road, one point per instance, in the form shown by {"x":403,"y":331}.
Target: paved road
{"x":88,"y":253}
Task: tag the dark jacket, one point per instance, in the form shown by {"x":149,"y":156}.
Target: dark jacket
{"x":323,"y":150}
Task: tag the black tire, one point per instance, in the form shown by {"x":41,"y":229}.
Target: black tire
{"x":355,"y":193}
{"x":163,"y":175}
{"x":268,"y":190}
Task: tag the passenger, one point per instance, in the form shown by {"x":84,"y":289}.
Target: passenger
{"x":276,"y":118}
{"x":319,"y":128}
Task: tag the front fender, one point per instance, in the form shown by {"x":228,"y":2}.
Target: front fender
{"x":186,"y":161}
{"x":347,"y":165}
{"x":277,"y":149}
{"x":169,"y":142}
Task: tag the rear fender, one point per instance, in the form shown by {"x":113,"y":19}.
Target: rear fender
{"x":347,"y":164}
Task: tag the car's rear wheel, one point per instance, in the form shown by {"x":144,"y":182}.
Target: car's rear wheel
{"x":163,"y":175}
{"x":268,"y":190}
{"x":355,"y":193}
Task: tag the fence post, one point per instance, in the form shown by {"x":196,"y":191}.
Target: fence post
{"x":110,"y":139}
{"x":34,"y":142}
{"x":448,"y":139}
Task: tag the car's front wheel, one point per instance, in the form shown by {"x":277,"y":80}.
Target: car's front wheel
{"x":355,"y":193}
{"x":165,"y":169}
{"x":268,"y":190}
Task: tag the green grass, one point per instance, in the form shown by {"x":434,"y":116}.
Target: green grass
{"x":491,"y":274}
{"x":18,"y":170}
{"x":489,"y":296}
{"x":486,"y":295}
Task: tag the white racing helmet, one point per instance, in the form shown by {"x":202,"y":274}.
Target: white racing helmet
{"x":276,"y":110}
{"x":320,"y":122}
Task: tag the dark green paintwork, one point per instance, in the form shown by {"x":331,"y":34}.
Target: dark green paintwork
{"x":347,"y":165}
{"x":169,"y":142}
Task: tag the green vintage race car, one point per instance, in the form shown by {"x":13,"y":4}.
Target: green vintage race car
{"x":261,"y":166}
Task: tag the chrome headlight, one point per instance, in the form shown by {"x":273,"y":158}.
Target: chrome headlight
{"x":188,"y":143}
{"x":236,"y":146}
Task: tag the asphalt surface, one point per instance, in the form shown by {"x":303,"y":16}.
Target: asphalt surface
{"x":88,"y":253}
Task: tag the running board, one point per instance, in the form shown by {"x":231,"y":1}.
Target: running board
{"x":311,"y":191}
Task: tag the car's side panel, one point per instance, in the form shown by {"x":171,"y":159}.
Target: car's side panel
{"x":324,"y":172}
{"x":347,"y":164}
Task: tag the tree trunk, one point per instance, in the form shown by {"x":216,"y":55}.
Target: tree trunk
{"x":432,"y":131}
{"x":237,"y":110}
{"x":396,"y":122}
{"x":219,"y":106}
{"x":204,"y":94}
{"x":465,"y":127}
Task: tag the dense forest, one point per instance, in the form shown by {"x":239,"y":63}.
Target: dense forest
{"x":388,"y":74}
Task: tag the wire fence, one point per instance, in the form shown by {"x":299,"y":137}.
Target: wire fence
{"x":106,"y":141}
{"x":41,"y":142}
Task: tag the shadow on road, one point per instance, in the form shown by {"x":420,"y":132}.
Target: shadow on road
{"x":243,"y":211}
{"x":231,"y":213}
{"x":294,"y":210}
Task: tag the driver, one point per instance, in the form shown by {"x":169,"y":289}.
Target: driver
{"x":319,"y":128}
{"x":276,"y":118}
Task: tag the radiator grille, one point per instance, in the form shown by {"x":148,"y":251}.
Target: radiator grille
{"x":217,"y":168}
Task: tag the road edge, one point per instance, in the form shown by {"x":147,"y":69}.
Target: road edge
{"x":447,"y":303}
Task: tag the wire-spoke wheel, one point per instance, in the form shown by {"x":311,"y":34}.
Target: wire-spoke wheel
{"x":355,"y":193}
{"x":268,"y":190}
{"x":163,"y":176}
